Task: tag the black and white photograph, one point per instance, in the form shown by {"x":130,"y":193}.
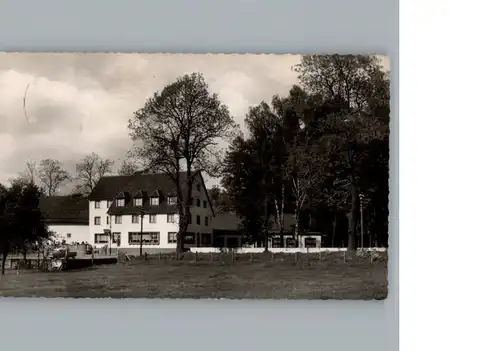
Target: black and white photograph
{"x":199,"y":176}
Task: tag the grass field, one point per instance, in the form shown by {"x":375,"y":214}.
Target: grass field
{"x":211,"y":276}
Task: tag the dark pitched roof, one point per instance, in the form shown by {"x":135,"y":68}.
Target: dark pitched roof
{"x":70,"y":209}
{"x":110,"y":187}
{"x":289,"y":223}
{"x":141,"y":194}
{"x":229,"y":221}
{"x":226,"y":221}
{"x":162,"y":208}
{"x":152,"y":184}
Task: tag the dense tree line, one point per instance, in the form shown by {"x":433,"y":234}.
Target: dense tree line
{"x":316,"y":152}
{"x":21,"y":222}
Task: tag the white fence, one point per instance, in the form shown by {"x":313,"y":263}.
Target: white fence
{"x":283,"y":250}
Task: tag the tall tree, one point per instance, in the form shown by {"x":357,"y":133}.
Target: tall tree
{"x":27,"y":176}
{"x":354,"y":84}
{"x":242,"y":179}
{"x":21,"y":222}
{"x":220,"y":200}
{"x":52,"y":175}
{"x":89,"y":170}
{"x":177,"y":132}
{"x":304,"y":171}
{"x":296,"y":153}
{"x":128,"y":167}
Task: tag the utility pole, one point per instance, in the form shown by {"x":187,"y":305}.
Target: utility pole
{"x":361,"y":198}
{"x":140,"y":247}
{"x":110,"y":232}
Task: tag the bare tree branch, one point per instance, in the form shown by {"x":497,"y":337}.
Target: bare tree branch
{"x":52,"y":176}
{"x":90,"y":170}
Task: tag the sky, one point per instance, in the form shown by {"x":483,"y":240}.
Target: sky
{"x":77,"y":104}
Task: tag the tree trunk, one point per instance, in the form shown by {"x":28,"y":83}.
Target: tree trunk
{"x":266,"y":225}
{"x":351,"y":244}
{"x":5,"y":252}
{"x":183,"y":224}
{"x":282,"y":237}
{"x":297,"y":227}
{"x":334,"y":228}
{"x":280,"y":215}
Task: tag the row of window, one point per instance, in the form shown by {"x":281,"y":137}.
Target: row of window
{"x":153,"y":201}
{"x":150,"y":238}
{"x":152,"y":219}
{"x":291,"y":242}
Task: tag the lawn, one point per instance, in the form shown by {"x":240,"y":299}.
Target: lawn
{"x":214,"y":276}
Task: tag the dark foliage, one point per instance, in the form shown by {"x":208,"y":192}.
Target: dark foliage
{"x":21,"y":221}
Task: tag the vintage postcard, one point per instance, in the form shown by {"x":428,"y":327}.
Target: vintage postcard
{"x":194,"y":175}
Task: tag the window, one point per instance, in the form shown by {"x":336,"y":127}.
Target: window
{"x":198,"y":187}
{"x":97,"y":220}
{"x":189,"y":238}
{"x":206,"y":220}
{"x":120,"y":202}
{"x":172,"y":237}
{"x":109,"y":203}
{"x":118,"y":219}
{"x":97,"y":204}
{"x":291,"y":242}
{"x":152,"y":218}
{"x":107,"y":219}
{"x":198,"y":202}
{"x":148,"y":238}
{"x":137,"y":202}
{"x":100,"y":238}
{"x":310,"y":242}
{"x":206,"y":239}
{"x":135,"y":219}
{"x":170,"y":218}
{"x":204,"y":203}
{"x":232,"y":242}
{"x":116,"y":238}
{"x":171,"y":200}
{"x":276,"y":242}
{"x":154,"y":201}
{"x":198,"y":220}
{"x":68,"y":235}
{"x":219,"y":241}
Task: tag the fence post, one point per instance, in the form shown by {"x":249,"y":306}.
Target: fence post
{"x":296,"y":256}
{"x":232,"y":255}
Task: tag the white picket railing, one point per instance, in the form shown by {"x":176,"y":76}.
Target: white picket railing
{"x":244,"y":250}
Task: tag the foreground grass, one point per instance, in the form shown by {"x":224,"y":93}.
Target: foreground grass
{"x":222,"y":278}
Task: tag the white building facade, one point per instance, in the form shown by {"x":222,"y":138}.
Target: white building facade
{"x":67,"y":217}
{"x":123,"y":207}
{"x":70,"y":233}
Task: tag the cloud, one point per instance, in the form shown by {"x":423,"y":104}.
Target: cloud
{"x":81,"y":103}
